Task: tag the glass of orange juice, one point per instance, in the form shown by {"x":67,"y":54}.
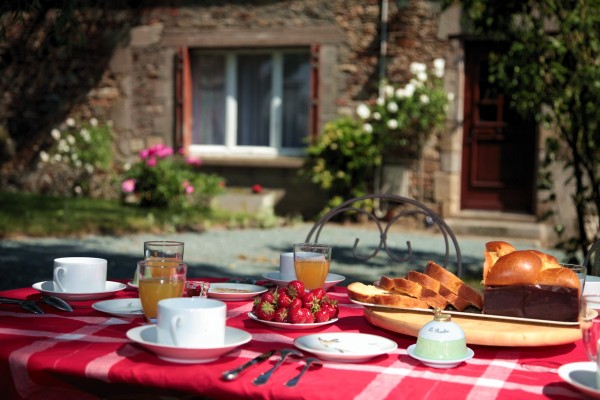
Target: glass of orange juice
{"x":160,"y":249}
{"x":159,"y":279}
{"x":311,"y":262}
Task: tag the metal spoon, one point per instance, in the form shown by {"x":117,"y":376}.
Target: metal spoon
{"x":234,"y":373}
{"x":57,"y":302}
{"x":310,"y":361}
{"x":264,"y":377}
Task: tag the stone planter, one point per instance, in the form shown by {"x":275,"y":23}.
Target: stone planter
{"x":243,"y":200}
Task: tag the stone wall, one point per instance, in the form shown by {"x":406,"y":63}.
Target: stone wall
{"x":143,"y":114}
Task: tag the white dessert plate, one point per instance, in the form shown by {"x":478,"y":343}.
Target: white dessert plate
{"x":234,"y":291}
{"x":146,"y":336}
{"x":132,"y":285}
{"x":120,"y":307}
{"x":582,"y":375}
{"x":285,"y":325}
{"x":47,"y":287}
{"x":471,"y":314}
{"x":330,"y":281}
{"x":345,"y":346}
{"x":439,"y":363}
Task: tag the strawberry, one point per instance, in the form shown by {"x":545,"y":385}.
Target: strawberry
{"x":296,"y":315}
{"x":322,"y":315}
{"x":295,"y":288}
{"x":265,"y":311}
{"x":319,"y":293}
{"x":268,"y":297}
{"x":284,"y":300}
{"x":331,"y":309}
{"x":308,"y":300}
{"x":296,"y":303}
{"x":281,"y":315}
{"x":308,"y":316}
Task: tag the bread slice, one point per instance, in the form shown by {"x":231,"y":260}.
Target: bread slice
{"x":399,"y":300}
{"x":435,"y":285}
{"x":376,"y":295}
{"x":406,"y":287}
{"x":455,"y":284}
{"x":360,"y":292}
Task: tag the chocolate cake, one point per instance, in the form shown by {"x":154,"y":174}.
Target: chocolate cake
{"x":528,"y":284}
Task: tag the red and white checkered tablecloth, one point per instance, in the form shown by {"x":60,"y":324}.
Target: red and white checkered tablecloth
{"x":86,"y":355}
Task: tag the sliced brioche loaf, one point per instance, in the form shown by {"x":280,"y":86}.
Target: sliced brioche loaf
{"x":413,"y":289}
{"x":376,"y":295}
{"x":455,"y":284}
{"x":426,"y":281}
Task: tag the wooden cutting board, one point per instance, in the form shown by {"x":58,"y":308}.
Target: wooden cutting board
{"x":478,"y":330}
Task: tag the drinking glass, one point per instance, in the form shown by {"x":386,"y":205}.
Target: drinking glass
{"x":160,"y":249}
{"x":580,"y":271}
{"x":159,"y":279}
{"x":163,"y":249}
{"x":589,"y":322}
{"x":311,"y":262}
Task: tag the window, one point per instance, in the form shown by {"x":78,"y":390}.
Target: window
{"x":250,"y":102}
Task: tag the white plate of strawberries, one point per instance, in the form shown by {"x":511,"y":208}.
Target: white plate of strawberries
{"x":293,"y":307}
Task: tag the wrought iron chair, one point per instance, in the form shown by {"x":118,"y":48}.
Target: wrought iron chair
{"x":592,"y":258}
{"x":409,"y":208}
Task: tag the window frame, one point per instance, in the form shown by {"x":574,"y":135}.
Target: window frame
{"x":230,"y":148}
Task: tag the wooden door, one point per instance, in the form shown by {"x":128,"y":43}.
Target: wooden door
{"x":499,"y":147}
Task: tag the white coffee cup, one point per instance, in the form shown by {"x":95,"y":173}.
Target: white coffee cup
{"x":191,"y":322}
{"x":286,"y":267}
{"x":79,"y":274}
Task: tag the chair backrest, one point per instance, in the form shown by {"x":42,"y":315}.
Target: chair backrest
{"x":592,"y":258}
{"x":410,"y":208}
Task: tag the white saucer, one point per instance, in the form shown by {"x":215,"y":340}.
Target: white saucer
{"x":330,"y":281}
{"x":345,"y":346}
{"x":120,"y":307}
{"x":439,"y":363}
{"x":132,"y":285}
{"x":285,"y":325}
{"x":234,"y":291}
{"x":146,"y":336}
{"x":581,"y":375}
{"x":47,"y":287}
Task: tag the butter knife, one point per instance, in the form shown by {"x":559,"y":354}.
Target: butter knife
{"x":234,"y":373}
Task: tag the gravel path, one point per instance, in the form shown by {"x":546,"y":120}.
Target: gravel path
{"x":247,"y":253}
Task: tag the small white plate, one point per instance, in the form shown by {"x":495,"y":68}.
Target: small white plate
{"x":345,"y":346}
{"x":439,"y":363}
{"x":47,"y":287}
{"x":234,"y":291}
{"x":120,"y":307}
{"x":330,"y":281}
{"x":146,"y":335}
{"x":581,"y":375}
{"x":285,"y":325}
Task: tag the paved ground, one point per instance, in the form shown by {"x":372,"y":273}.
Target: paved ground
{"x":246,"y":253}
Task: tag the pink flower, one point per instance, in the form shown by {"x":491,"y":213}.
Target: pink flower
{"x":128,"y":185}
{"x":144,"y":154}
{"x":189,"y":189}
{"x":151,"y":162}
{"x":193,"y":161}
{"x":257,"y":188}
{"x":163,"y":151}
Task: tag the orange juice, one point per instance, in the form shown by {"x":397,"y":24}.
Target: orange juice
{"x":312,"y":271}
{"x":154,"y":289}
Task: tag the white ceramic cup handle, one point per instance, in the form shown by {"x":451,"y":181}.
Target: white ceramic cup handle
{"x":175,"y":324}
{"x":58,"y":273}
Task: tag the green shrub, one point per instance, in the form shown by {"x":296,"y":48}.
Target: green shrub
{"x":343,"y":160}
